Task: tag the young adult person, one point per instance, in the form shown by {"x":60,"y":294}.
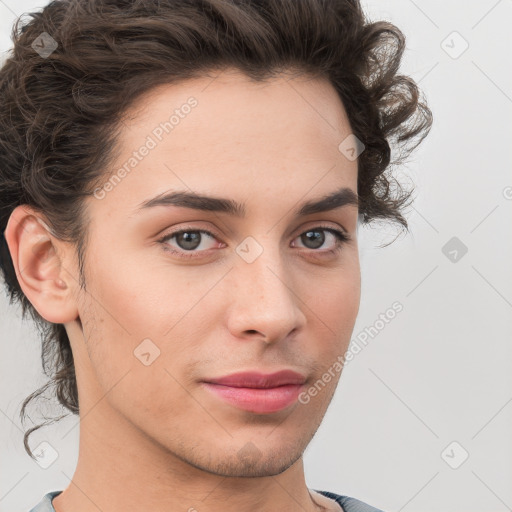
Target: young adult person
{"x":182,"y":186}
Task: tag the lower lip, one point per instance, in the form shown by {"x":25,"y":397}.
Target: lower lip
{"x":257,"y":400}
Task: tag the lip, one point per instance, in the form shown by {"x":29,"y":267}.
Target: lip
{"x":261,"y":393}
{"x":255,"y":379}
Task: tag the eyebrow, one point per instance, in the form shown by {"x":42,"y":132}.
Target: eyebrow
{"x":337,"y":199}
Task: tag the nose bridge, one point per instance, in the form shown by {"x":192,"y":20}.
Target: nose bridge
{"x":264,"y":271}
{"x":264,"y":299}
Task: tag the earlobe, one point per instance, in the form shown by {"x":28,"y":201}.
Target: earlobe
{"x":39,"y":268}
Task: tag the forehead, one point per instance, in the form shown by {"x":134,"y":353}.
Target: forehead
{"x":229,"y":133}
{"x":231,"y":106}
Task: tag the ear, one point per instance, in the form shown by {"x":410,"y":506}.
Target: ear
{"x":39,"y":269}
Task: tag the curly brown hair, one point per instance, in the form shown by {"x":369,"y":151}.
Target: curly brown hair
{"x":60,"y":110}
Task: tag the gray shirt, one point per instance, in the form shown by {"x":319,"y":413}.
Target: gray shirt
{"x":348,"y":504}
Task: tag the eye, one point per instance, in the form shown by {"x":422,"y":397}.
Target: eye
{"x":190,"y":239}
{"x":315,"y":238}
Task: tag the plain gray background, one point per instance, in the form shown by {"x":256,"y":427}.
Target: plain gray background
{"x":434,"y":385}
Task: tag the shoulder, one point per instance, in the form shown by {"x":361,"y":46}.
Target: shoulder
{"x":350,"y":504}
{"x":45,"y":505}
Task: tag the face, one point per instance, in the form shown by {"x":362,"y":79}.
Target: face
{"x":178,"y":297}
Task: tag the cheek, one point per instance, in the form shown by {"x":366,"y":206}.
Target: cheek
{"x":335,"y":296}
{"x":136,"y":301}
{"x":117,"y":315}
{"x":139,"y":329}
{"x":134,"y":370}
{"x":333,"y":313}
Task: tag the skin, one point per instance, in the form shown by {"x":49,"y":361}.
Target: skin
{"x":155,"y":429}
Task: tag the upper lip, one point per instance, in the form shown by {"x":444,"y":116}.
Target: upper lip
{"x":255,"y":379}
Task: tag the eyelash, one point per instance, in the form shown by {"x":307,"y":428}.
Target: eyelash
{"x":341,"y":239}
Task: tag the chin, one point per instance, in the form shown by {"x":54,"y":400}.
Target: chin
{"x":253,"y":467}
{"x":249,"y":461}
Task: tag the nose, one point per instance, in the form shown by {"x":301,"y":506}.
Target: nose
{"x":264,"y":303}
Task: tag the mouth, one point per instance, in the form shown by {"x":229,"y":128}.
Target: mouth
{"x":257,"y":392}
